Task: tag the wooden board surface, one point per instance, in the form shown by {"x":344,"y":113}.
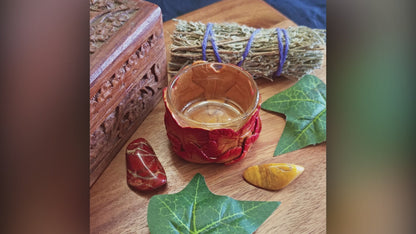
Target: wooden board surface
{"x":114,"y":208}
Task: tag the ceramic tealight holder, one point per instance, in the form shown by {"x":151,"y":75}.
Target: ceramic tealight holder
{"x":212,"y":113}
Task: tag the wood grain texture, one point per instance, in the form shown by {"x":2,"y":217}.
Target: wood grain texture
{"x":114,"y":208}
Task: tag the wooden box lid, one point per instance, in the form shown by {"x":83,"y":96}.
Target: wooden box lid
{"x":116,"y":27}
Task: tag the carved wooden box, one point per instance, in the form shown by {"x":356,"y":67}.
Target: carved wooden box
{"x":127,"y":74}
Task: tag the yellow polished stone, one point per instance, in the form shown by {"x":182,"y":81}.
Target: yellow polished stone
{"x":272,"y":176}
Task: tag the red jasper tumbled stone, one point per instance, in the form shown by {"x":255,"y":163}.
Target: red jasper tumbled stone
{"x":144,"y":171}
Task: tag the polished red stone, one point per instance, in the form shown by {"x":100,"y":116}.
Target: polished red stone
{"x":144,"y":171}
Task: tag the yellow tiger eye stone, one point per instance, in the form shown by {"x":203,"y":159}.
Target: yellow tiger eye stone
{"x":272,"y":176}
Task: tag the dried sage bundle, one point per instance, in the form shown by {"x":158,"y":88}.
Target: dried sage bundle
{"x":306,"y":48}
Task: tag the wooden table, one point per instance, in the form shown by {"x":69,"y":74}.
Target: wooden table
{"x":114,"y":208}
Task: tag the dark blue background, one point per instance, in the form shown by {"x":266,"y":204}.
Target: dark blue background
{"x":311,"y":13}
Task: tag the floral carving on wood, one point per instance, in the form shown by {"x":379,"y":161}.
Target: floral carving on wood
{"x":118,"y":79}
{"x":135,"y":105}
{"x":139,"y":100}
{"x":106,"y":18}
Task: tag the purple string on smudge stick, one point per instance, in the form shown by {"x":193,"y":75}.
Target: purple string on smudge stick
{"x":287,"y":43}
{"x":214,"y":47}
{"x":282,"y":53}
{"x":209,"y":32}
{"x":204,"y":42}
{"x":250,"y":41}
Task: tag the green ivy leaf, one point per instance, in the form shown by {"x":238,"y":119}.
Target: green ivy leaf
{"x":196,"y":210}
{"x":304,"y":105}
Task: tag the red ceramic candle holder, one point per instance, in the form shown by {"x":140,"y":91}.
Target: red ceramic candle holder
{"x":212,"y":113}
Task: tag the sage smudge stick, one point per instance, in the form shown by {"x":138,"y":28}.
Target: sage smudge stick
{"x":306,"y":48}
